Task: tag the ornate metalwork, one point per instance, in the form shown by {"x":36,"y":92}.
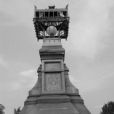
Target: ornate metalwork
{"x":51,"y":22}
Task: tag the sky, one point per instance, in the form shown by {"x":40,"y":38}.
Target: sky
{"x":89,"y":50}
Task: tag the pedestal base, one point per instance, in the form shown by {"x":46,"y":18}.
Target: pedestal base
{"x":55,"y":104}
{"x":53,"y":93}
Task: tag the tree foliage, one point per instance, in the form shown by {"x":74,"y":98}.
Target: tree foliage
{"x":1,"y":109}
{"x":108,"y":108}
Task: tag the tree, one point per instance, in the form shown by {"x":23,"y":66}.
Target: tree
{"x":17,"y":111}
{"x":108,"y":108}
{"x":1,"y":109}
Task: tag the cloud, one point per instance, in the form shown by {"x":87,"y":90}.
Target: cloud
{"x":17,"y":81}
{"x":92,"y":25}
{"x":3,"y":63}
{"x":84,"y":83}
{"x":91,"y":76}
{"x":14,"y":86}
{"x":21,"y":11}
{"x":28,"y":73}
{"x":29,"y":78}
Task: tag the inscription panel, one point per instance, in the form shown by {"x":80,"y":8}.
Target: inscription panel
{"x":52,"y":77}
{"x":53,"y":82}
{"x":52,"y":66}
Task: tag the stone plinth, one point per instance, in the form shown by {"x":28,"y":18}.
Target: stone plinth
{"x":53,"y":93}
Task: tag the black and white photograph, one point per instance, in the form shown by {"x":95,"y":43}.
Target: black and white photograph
{"x":56,"y":56}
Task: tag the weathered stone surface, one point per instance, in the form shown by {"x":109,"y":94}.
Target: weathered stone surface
{"x":68,"y":102}
{"x":53,"y":108}
{"x":52,"y":52}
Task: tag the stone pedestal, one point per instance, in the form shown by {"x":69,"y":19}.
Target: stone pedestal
{"x":53,"y":93}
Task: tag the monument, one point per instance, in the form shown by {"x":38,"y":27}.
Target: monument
{"x":53,"y":92}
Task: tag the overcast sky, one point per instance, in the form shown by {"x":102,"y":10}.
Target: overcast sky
{"x":89,"y":50}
